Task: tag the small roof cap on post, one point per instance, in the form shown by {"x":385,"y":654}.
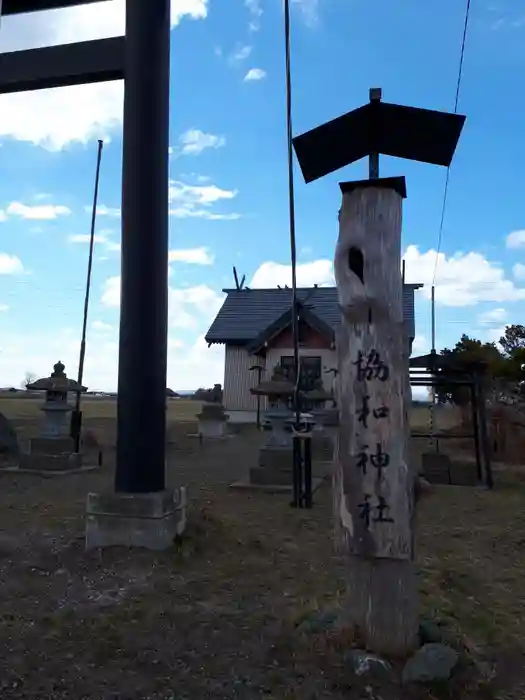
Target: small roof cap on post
{"x":379,"y":127}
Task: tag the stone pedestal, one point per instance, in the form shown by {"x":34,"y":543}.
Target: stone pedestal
{"x":274,"y":470}
{"x":57,"y":420}
{"x":274,"y":466}
{"x":51,"y":454}
{"x":148,"y":520}
{"x":212,"y":421}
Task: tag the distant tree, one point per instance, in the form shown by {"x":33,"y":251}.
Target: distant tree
{"x":467,"y":351}
{"x":29,"y":378}
{"x":513,"y":340}
{"x":172,"y":394}
{"x":209,"y":395}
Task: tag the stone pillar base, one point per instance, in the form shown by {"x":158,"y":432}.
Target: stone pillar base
{"x":213,"y":428}
{"x":41,"y":462}
{"x":52,"y":445}
{"x":149,"y":520}
{"x":275,"y":466}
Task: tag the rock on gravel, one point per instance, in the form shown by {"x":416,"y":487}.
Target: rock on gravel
{"x":433,"y":662}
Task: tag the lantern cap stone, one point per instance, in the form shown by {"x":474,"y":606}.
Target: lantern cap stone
{"x":57,"y":381}
{"x":318,"y":394}
{"x":274,"y":387}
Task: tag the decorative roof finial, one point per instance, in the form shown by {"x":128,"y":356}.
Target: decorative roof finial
{"x":58,"y":370}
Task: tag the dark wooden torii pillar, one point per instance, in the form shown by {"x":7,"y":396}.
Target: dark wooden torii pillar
{"x":142,"y":57}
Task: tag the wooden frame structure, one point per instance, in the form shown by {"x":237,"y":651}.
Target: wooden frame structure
{"x":436,"y":371}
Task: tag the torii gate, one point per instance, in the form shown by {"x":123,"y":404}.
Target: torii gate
{"x":142,"y":57}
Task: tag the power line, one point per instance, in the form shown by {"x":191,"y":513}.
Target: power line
{"x":456,"y":102}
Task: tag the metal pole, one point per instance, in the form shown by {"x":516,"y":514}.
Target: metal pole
{"x":141,"y":407}
{"x":431,"y":415}
{"x":259,"y":372}
{"x":433,"y":321}
{"x":373,"y":158}
{"x":475,"y":429}
{"x":291,"y":206}
{"x":76,"y":416}
{"x":484,"y":438}
{"x":296,"y":454}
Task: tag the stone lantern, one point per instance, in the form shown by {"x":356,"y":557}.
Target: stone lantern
{"x":322,"y":441}
{"x":212,"y":420}
{"x":54,"y":449}
{"x":275,"y":463}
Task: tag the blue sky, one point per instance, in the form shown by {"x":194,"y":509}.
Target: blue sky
{"x":228,"y":171}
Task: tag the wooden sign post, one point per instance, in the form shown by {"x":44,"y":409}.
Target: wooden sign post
{"x":373,"y":485}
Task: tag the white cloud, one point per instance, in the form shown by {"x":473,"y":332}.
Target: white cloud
{"x":492,"y":316}
{"x":463,"y":279}
{"x":420,"y":346}
{"x":37,"y":212}
{"x":102,"y":238}
{"x":255,"y":74}
{"x":10,"y":264}
{"x":85,"y":238}
{"x":101,"y":327}
{"x":309,"y":10}
{"x":240,"y":54}
{"x":519,"y":271}
{"x":187,"y":201}
{"x":103,"y":210}
{"x":3,"y":215}
{"x":494,"y":334}
{"x":54,"y":118}
{"x":189,"y":307}
{"x":4,"y":307}
{"x":194,"y":141}
{"x":192,"y":256}
{"x":516,"y":239}
{"x":255,"y":10}
{"x":270,"y":274}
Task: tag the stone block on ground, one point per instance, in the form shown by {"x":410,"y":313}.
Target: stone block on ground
{"x":464,"y":474}
{"x":212,"y":421}
{"x":51,"y":446}
{"x":436,"y":467}
{"x":9,"y":447}
{"x":363,"y":663}
{"x":433,"y":662}
{"x":274,"y":467}
{"x":148,"y":520}
{"x":40,"y":462}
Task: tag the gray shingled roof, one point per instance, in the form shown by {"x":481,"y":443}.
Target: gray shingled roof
{"x":246,"y":313}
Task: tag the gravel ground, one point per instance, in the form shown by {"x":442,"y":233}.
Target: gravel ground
{"x":218,"y":615}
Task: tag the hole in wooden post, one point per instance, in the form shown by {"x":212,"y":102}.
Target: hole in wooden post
{"x":356,"y":263}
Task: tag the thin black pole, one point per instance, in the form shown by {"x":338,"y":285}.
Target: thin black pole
{"x":485,"y":445}
{"x":291,"y":209}
{"x":475,"y":429}
{"x":373,"y":158}
{"x":296,"y":455}
{"x":141,"y":405}
{"x":76,"y":422}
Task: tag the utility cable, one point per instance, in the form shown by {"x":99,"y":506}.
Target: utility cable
{"x":456,"y":102}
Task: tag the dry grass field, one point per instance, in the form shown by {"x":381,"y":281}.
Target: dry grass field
{"x":218,"y":615}
{"x":20,"y":408}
